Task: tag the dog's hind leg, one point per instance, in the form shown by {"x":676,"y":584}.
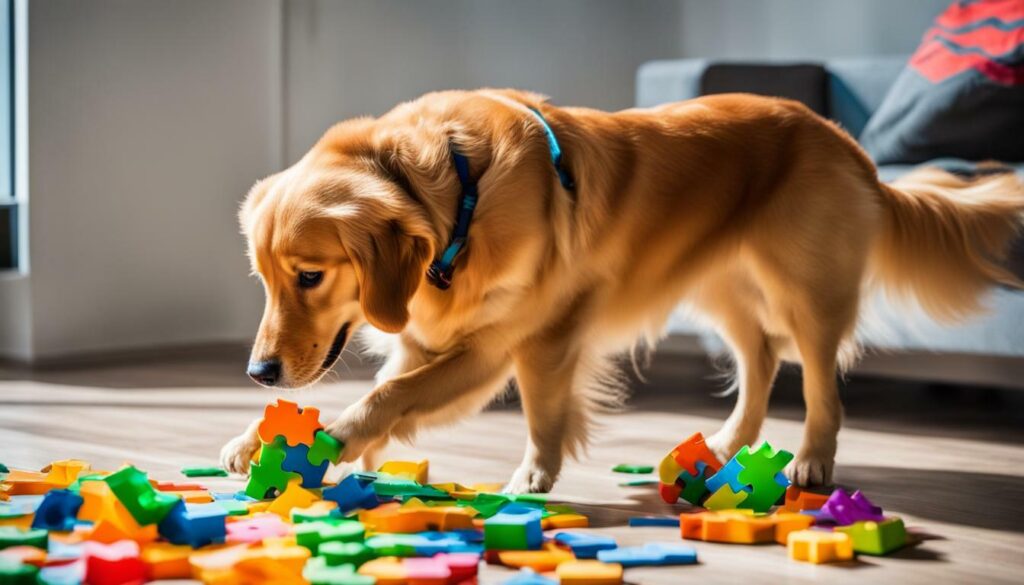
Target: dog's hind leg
{"x":756,"y":366}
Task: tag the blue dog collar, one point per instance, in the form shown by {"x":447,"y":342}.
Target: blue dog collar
{"x":441,"y":269}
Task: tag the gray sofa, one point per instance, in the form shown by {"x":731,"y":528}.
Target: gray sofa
{"x":848,"y":91}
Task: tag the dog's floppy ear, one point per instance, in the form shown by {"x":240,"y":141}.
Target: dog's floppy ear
{"x":391,"y":269}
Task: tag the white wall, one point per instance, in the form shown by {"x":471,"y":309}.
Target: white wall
{"x":360,"y":57}
{"x":148,"y":121}
{"x":803,"y":29}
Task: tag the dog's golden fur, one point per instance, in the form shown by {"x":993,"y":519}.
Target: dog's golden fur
{"x":760,"y":215}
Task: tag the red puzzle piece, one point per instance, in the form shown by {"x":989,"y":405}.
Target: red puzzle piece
{"x":693,"y":450}
{"x":285,"y":419}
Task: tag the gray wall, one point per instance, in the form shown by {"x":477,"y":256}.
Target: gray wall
{"x":360,"y":57}
{"x":148,"y":121}
{"x":803,"y":29}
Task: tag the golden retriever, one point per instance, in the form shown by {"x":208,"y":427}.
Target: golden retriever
{"x":757,"y":213}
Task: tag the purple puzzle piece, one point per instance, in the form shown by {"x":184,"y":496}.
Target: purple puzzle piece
{"x":843,"y":509}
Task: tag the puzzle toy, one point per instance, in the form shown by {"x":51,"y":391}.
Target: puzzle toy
{"x":843,"y":509}
{"x":819,"y":546}
{"x":684,"y":471}
{"x":876,"y":538}
{"x":70,"y":524}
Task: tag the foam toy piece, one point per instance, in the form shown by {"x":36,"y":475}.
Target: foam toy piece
{"x":457,"y":541}
{"x":195,"y":526}
{"x":632,"y":468}
{"x":319,"y":572}
{"x":762,"y":474}
{"x":312,"y":534}
{"x":671,"y":521}
{"x":725,"y":499}
{"x":143,"y":502}
{"x":529,"y":577}
{"x":296,"y":459}
{"x":786,"y":522}
{"x":10,"y":537}
{"x":320,"y":510}
{"x":337,"y":553}
{"x":876,"y":538}
{"x":546,"y":559}
{"x":589,"y":573}
{"x":58,"y":510}
{"x":192,"y":496}
{"x":285,"y":419}
{"x":15,"y":572}
{"x":638,"y":482}
{"x":61,"y":474}
{"x":208,"y":564}
{"x":203,"y":472}
{"x":513,"y":529}
{"x":727,"y":475}
{"x":798,"y":500}
{"x":463,"y":566}
{"x":844,"y":509}
{"x":426,"y":571}
{"x":732,"y":526}
{"x":414,"y":470}
{"x":561,"y":521}
{"x":407,"y":519}
{"x":164,"y":560}
{"x":256,"y":528}
{"x":71,"y":573}
{"x":386,"y":571}
{"x":293,"y":496}
{"x":652,"y":553}
{"x":28,"y":555}
{"x":583,"y":545}
{"x":669,"y":469}
{"x":352,"y":493}
{"x":113,"y":564}
{"x":819,"y":546}
{"x":170,"y":486}
{"x":111,"y":520}
{"x":284,"y":552}
{"x":324,"y":448}
{"x":266,"y":477}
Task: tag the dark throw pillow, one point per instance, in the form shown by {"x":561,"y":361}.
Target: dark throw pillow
{"x":962,"y":93}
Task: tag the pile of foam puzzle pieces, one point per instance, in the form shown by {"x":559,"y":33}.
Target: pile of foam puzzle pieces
{"x":70,"y":524}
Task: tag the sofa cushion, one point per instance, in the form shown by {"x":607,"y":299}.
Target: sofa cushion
{"x":962,"y":92}
{"x":804,"y":83}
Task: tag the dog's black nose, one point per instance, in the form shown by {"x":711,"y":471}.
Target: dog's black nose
{"x":266,"y":372}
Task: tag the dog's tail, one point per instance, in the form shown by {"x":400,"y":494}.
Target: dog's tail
{"x":946,"y":238}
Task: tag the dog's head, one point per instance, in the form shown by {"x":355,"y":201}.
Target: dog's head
{"x":336,"y":241}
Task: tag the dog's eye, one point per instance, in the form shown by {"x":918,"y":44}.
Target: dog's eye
{"x":310,"y":279}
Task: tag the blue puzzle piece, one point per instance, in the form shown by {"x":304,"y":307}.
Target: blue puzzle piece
{"x":195,"y":526}
{"x":448,"y":542}
{"x":352,"y":493}
{"x":57,"y":511}
{"x":529,"y":577}
{"x":296,"y":460}
{"x":654,"y":521}
{"x":781,"y":479}
{"x":652,"y":553}
{"x":727,"y":475}
{"x":585,"y":546}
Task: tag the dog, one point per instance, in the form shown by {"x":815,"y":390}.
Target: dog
{"x":589,"y":229}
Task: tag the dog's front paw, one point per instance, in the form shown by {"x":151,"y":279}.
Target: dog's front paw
{"x":530,"y":479}
{"x":238,"y":453}
{"x":358,"y":428}
{"x":810,"y":470}
{"x":724,"y":445}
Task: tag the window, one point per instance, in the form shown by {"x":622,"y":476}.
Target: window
{"x":8,"y":204}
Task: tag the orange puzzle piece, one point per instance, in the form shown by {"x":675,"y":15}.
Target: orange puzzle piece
{"x":286,"y":419}
{"x":692,"y":451}
{"x":734,"y":526}
{"x":798,"y":500}
{"x":589,"y":573}
{"x":546,"y":559}
{"x":410,"y":519}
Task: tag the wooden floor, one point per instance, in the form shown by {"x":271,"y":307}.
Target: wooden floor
{"x":949,"y":460}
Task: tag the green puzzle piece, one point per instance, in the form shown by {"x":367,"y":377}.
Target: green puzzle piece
{"x":760,"y":470}
{"x":267,"y":474}
{"x":394,"y":545}
{"x":145,"y":504}
{"x":876,"y":538}
{"x":203,"y":472}
{"x":11,"y":536}
{"x":632,"y":468}
{"x":324,"y":448}
{"x":318,"y":572}
{"x":312,"y":534}
{"x":345,"y":553}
